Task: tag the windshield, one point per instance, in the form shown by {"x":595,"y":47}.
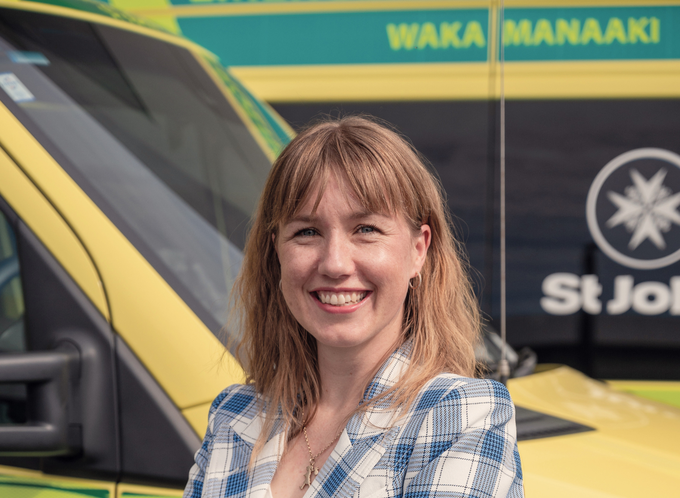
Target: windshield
{"x":140,"y":125}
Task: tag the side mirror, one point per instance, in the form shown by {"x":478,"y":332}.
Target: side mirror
{"x":48,"y":377}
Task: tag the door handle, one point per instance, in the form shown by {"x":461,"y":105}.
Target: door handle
{"x":48,"y":377}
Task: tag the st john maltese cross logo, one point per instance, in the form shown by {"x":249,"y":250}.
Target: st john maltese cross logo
{"x":647,"y":210}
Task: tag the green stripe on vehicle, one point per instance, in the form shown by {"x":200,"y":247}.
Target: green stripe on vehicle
{"x":602,"y":33}
{"x":29,"y":490}
{"x":144,"y":495}
{"x":343,"y":37}
{"x":448,"y":35}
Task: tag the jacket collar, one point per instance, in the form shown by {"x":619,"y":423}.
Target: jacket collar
{"x":365,"y":424}
{"x":379,"y":416}
{"x":362,"y":443}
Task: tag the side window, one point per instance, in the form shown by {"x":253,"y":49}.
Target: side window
{"x":12,"y":337}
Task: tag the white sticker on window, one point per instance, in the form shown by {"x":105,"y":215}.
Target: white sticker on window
{"x":15,"y":88}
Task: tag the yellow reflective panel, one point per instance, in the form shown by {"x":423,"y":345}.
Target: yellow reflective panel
{"x":632,"y":452}
{"x":569,"y":394}
{"x":180,"y":352}
{"x":462,"y":81}
{"x":21,"y":483}
{"x":41,"y":217}
{"x":168,"y":22}
{"x":213,"y":8}
{"x":592,"y":79}
{"x":197,"y":416}
{"x":585,"y":3}
{"x":594,"y":465}
{"x":367,"y":82}
{"x":134,"y":491}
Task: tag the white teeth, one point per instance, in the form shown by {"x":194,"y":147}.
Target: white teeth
{"x":340,"y":299}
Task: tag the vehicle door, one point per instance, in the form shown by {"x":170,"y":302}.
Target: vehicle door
{"x":146,"y":151}
{"x":58,"y":413}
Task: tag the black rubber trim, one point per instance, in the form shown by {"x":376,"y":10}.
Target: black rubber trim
{"x":158,"y":444}
{"x":57,"y":310}
{"x":9,"y":213}
{"x":537,"y":425}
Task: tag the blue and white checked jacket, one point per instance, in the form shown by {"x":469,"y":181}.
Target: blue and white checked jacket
{"x":457,"y":440}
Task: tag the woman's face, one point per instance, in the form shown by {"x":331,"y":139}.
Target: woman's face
{"x":345,"y":271}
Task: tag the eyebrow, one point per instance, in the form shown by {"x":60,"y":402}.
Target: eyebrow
{"x":310,"y":219}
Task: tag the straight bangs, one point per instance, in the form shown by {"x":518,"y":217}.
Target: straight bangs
{"x":353,"y":161}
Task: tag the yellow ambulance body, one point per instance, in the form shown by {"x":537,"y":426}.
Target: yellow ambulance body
{"x":130,"y":163}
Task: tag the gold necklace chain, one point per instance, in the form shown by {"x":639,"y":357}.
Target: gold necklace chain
{"x":311,"y":468}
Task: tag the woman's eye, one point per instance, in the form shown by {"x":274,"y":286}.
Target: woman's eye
{"x":367,"y":229}
{"x":307,"y":232}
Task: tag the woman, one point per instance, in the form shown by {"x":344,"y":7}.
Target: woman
{"x":359,"y":325}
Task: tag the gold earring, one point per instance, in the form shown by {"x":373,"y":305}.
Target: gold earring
{"x":420,"y":282}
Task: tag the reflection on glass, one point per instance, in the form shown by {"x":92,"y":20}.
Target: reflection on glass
{"x":12,"y":396}
{"x":144,"y":130}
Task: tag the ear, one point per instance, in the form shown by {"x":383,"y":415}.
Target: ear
{"x":422,"y":243}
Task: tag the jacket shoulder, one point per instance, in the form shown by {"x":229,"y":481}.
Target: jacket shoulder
{"x":237,"y":402}
{"x":469,"y":387}
{"x":469,"y":402}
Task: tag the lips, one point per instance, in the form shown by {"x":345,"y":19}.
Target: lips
{"x":340,"y":298}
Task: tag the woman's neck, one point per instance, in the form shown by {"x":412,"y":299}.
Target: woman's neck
{"x":345,"y":372}
{"x":342,"y":383}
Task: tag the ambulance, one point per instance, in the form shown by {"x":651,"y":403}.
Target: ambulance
{"x":592,"y":93}
{"x":130,"y":164}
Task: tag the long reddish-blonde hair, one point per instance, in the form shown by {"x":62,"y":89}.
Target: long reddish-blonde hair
{"x":386,"y":175}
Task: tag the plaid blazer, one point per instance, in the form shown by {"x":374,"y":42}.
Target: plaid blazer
{"x":457,"y":440}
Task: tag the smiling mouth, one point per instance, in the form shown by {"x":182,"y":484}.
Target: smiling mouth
{"x":340,"y":298}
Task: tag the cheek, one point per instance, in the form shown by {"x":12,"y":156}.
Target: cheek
{"x":401,"y":255}
{"x":388,"y":267}
{"x":296,"y":263}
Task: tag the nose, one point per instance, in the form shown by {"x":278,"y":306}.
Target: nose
{"x":336,"y":258}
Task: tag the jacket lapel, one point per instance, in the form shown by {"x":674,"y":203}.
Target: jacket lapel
{"x":360,"y":446}
{"x":265,"y":465}
{"x":246,"y":430}
{"x":349,"y":464}
{"x":365,"y":439}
